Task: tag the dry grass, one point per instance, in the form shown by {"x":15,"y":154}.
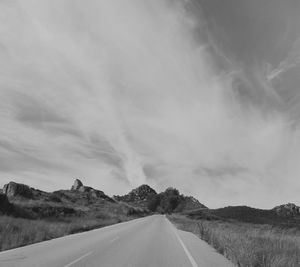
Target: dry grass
{"x":40,"y":219}
{"x":16,"y":232}
{"x":247,"y":245}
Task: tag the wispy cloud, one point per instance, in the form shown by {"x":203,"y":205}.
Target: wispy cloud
{"x":291,"y":61}
{"x":122,"y":93}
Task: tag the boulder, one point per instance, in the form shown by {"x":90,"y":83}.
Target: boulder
{"x":77,"y":184}
{"x":13,"y":189}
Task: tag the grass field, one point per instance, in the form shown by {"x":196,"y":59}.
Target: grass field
{"x":16,"y":232}
{"x":247,"y":245}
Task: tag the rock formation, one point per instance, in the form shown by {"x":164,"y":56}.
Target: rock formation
{"x":77,"y":184}
{"x":13,"y":189}
{"x":289,"y":209}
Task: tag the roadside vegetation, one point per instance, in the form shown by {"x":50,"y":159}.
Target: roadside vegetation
{"x":53,"y":215}
{"x":16,"y":232}
{"x":245,"y":244}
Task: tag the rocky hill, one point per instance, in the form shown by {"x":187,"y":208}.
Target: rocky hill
{"x":138,"y":196}
{"x":20,"y":200}
{"x":29,"y":215}
{"x":165,"y":202}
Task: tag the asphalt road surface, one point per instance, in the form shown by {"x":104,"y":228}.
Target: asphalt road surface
{"x":147,"y":242}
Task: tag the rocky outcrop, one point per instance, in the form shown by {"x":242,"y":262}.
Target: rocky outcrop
{"x":289,"y":209}
{"x":13,"y":189}
{"x":139,"y":194}
{"x":77,"y":184}
{"x":5,"y":206}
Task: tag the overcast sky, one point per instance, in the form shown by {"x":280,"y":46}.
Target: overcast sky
{"x":201,"y":95}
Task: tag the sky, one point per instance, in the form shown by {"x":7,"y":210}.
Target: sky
{"x":201,"y":95}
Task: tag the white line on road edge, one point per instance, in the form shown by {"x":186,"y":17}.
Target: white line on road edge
{"x":83,"y":256}
{"x":190,"y":257}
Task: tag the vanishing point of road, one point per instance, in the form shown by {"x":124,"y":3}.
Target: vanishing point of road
{"x":146,"y":242}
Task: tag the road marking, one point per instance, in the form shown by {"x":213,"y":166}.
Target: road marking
{"x":190,"y":257}
{"x":80,"y":258}
{"x":116,"y":238}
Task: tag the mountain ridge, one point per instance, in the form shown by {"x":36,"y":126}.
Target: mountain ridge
{"x":81,"y":199}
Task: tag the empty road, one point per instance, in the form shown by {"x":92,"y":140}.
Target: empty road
{"x":147,"y":242}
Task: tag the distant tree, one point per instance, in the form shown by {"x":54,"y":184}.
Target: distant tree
{"x":153,"y":202}
{"x":169,"y":200}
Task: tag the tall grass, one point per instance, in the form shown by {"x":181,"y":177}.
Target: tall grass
{"x":247,"y":245}
{"x":16,"y":232}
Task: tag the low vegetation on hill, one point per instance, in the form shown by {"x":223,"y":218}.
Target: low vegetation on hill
{"x":279,"y":216}
{"x":245,"y":244}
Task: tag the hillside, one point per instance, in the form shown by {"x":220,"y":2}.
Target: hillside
{"x":279,"y":216}
{"x":29,"y":215}
{"x":80,"y":201}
